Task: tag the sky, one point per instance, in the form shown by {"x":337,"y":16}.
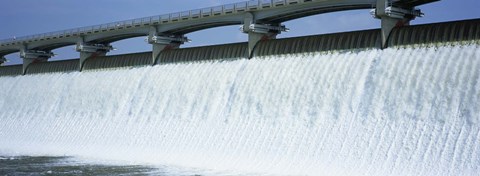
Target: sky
{"x":27,"y":17}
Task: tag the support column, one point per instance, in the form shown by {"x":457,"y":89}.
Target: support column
{"x":2,"y":60}
{"x":33,"y":56}
{"x":161,"y":42}
{"x":89,"y":50}
{"x":392,"y":16}
{"x":259,"y":32}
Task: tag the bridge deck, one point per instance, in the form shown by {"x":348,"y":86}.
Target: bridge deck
{"x":268,"y":11}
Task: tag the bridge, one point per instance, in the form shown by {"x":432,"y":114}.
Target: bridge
{"x":260,"y":20}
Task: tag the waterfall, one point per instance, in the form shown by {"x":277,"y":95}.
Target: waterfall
{"x":398,"y":111}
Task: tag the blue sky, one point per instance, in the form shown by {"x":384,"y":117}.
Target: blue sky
{"x":26,"y":17}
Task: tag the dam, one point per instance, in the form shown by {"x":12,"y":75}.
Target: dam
{"x":331,"y":104}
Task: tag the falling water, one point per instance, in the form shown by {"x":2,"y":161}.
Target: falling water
{"x":398,"y":111}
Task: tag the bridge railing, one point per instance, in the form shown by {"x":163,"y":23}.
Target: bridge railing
{"x":154,"y":20}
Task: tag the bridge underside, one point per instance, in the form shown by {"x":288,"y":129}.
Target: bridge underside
{"x":412,"y":3}
{"x":53,"y":46}
{"x":201,"y":26}
{"x":295,"y":14}
{"x":115,"y":38}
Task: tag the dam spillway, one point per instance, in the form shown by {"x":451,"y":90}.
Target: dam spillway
{"x":407,"y":110}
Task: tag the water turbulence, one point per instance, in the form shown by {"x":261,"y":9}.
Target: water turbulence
{"x":398,"y":111}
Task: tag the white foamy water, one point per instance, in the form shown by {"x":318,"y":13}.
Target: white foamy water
{"x":411,"y":111}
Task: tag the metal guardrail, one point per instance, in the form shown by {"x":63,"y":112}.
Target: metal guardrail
{"x":154,"y":20}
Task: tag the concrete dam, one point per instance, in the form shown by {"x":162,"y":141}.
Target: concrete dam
{"x":334,"y":104}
